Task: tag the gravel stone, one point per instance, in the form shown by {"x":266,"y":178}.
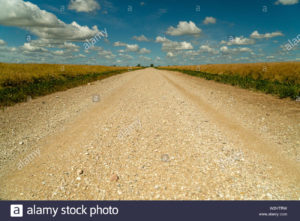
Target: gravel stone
{"x":179,"y":142}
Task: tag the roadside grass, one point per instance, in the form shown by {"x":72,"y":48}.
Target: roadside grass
{"x":282,"y":89}
{"x":17,"y":89}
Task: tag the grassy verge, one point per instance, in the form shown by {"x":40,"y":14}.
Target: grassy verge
{"x":283,"y":90}
{"x":14,"y":92}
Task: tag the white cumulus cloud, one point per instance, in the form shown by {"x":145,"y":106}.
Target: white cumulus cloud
{"x":184,"y":28}
{"x":255,"y":34}
{"x":84,"y":5}
{"x":287,"y":2}
{"x":141,"y":38}
{"x":239,"y":41}
{"x":144,"y":51}
{"x":2,"y":42}
{"x":145,"y":58}
{"x":170,"y":54}
{"x":168,"y":45}
{"x":132,"y":48}
{"x":58,"y":52}
{"x":226,"y":50}
{"x":27,"y":47}
{"x":118,"y":44}
{"x":208,"y":49}
{"x":160,"y":39}
{"x":209,"y":20}
{"x":42,"y":23}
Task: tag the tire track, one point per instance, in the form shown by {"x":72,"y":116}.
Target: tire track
{"x":249,"y":139}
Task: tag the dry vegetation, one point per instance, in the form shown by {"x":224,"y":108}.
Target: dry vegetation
{"x":281,"y":78}
{"x":280,"y":71}
{"x":13,"y":74}
{"x":17,"y":81}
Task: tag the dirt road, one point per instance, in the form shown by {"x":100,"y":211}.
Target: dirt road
{"x":151,"y":134}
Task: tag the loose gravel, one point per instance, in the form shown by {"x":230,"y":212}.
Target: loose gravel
{"x":151,"y":135}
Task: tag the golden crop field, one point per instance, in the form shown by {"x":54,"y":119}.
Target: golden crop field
{"x":21,"y":73}
{"x":280,"y":71}
{"x":18,"y":81}
{"x":278,"y":78}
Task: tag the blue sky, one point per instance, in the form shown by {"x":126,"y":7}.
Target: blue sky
{"x":165,"y":32}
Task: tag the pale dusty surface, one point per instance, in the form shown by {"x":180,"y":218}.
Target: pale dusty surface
{"x":153,"y":135}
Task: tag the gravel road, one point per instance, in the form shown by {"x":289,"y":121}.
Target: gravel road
{"x":151,"y":135}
